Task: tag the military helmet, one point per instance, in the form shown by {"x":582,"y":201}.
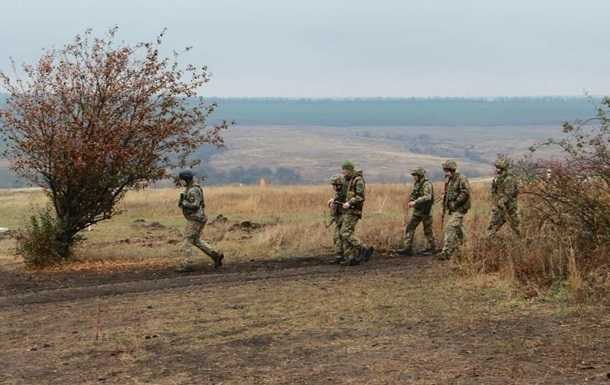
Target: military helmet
{"x":186,"y":175}
{"x":336,"y":180}
{"x":449,"y":165}
{"x":419,"y":171}
{"x":347,"y":165}
{"x":502,"y":164}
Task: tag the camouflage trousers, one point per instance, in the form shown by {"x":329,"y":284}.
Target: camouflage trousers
{"x":499,"y":216}
{"x":454,"y":234}
{"x":352,"y":246}
{"x":192,"y":237}
{"x":338,"y":243}
{"x":412,"y":226}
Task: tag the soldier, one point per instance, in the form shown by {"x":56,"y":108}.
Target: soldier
{"x":193,"y":205}
{"x":456,"y":203}
{"x":420,"y":201}
{"x":336,"y":210}
{"x":504,"y":192}
{"x":354,"y":250}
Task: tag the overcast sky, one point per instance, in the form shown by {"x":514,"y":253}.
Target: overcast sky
{"x":348,"y":48}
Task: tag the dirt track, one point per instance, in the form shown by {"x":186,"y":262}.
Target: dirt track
{"x":297,"y":321}
{"x":34,"y":288}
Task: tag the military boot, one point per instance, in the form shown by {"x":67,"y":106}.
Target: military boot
{"x":430,"y":251}
{"x":366,"y":253}
{"x":218,"y":261}
{"x":351,"y":261}
{"x":337,"y":259}
{"x":405,"y":252}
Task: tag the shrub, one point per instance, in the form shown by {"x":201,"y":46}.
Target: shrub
{"x":39,"y":241}
{"x":565,"y":206}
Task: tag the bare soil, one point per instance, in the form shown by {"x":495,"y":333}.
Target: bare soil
{"x":293,"y":321}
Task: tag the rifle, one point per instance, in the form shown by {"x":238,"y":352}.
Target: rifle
{"x":334,"y":211}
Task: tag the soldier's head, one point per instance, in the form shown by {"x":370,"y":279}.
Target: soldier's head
{"x":186,"y":177}
{"x":418,"y":173}
{"x":449,"y":167}
{"x":501,"y":165}
{"x":337,"y":182}
{"x":347,"y":168}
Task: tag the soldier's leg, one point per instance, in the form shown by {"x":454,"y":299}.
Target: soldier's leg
{"x":204,"y":246}
{"x":454,"y":235}
{"x":191,"y":233}
{"x":514,"y":221}
{"x":429,"y":232}
{"x":352,"y":246}
{"x":410,"y":232}
{"x":496,"y":221}
{"x":337,"y":237}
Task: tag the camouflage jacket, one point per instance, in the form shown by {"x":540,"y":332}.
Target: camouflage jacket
{"x":504,"y":191}
{"x":457,"y":194}
{"x":354,"y":193}
{"x":192,"y":203}
{"x":423,"y":196}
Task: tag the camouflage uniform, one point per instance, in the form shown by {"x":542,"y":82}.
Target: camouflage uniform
{"x":192,"y":204}
{"x":338,"y":183}
{"x":423,"y":196}
{"x":456,"y":203}
{"x":504,"y":192}
{"x":355,"y":251}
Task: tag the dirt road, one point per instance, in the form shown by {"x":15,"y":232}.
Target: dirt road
{"x":296,"y":321}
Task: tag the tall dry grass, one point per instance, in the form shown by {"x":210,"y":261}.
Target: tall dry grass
{"x":294,"y":219}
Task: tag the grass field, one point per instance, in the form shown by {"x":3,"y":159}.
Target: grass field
{"x":278,"y":313}
{"x":288,"y":222}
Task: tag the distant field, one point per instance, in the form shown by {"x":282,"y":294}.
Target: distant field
{"x":385,"y":153}
{"x":386,"y":137}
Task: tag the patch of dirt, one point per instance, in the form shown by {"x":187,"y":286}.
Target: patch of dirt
{"x":142,"y":223}
{"x":294,"y":321}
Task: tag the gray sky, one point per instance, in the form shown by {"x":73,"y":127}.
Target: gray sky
{"x":345,"y":48}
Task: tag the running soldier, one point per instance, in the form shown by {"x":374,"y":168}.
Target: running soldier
{"x":193,"y":205}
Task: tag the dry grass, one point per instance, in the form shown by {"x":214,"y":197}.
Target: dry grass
{"x":293,"y":218}
{"x":293,"y":223}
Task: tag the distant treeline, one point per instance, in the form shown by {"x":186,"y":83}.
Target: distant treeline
{"x":496,"y":111}
{"x":405,"y":112}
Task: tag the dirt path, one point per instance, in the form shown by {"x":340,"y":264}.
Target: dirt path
{"x":297,"y":321}
{"x":31,"y":288}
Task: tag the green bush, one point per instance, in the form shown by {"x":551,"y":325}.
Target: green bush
{"x":38,"y":242}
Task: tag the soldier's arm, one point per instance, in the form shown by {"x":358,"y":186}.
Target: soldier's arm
{"x":359,"y":190}
{"x":193,"y":199}
{"x":427,"y":194}
{"x":463,"y":193}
